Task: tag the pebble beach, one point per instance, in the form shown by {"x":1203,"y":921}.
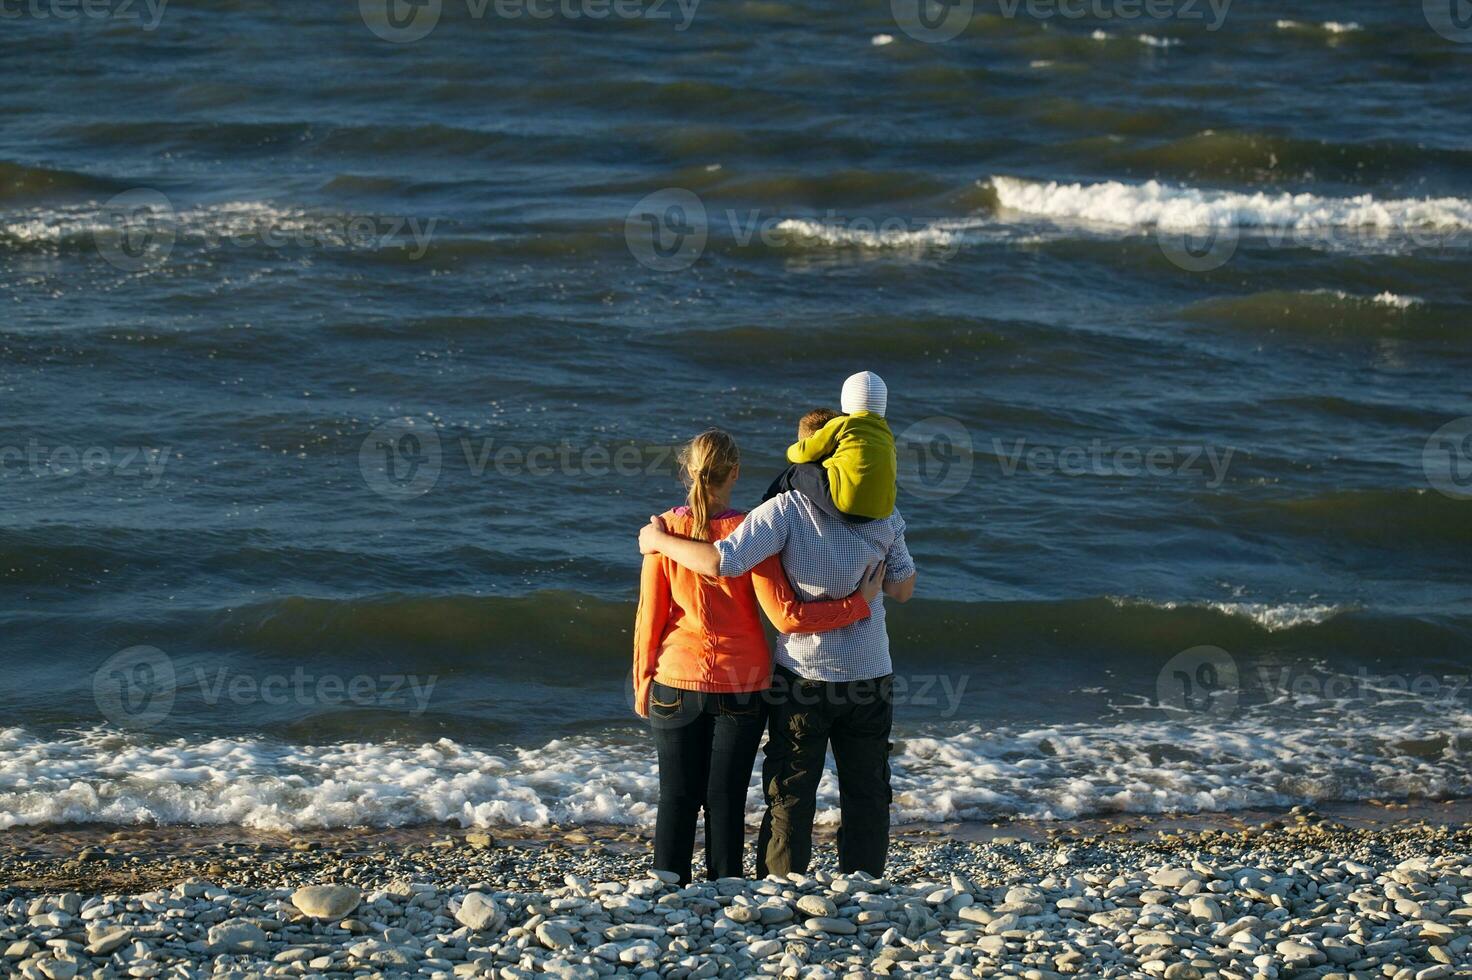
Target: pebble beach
{"x":1301,"y":894}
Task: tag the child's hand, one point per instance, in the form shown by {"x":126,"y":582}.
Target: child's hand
{"x":872,"y":582}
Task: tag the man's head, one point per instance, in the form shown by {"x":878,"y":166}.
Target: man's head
{"x":864,"y":392}
{"x":814,"y":420}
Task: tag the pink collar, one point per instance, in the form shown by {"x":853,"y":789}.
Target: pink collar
{"x":684,"y":511}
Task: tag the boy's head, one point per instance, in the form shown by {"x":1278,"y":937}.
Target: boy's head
{"x":814,"y":420}
{"x":864,"y":392}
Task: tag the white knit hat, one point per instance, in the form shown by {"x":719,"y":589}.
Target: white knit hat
{"x":864,"y":392}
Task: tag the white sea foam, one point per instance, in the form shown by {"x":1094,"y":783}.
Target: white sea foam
{"x":880,"y":40}
{"x":942,"y":235}
{"x":1153,"y":204}
{"x":1149,"y":40}
{"x":881,"y":234}
{"x":232,"y":218}
{"x":1328,"y":26}
{"x":1281,"y":616}
{"x":210,"y":225}
{"x":1305,"y":752}
{"x":1269,"y":615}
{"x":1387,"y":298}
{"x":1398,"y":302}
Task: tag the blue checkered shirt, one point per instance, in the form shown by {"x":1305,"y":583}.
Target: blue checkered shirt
{"x":824,"y":559}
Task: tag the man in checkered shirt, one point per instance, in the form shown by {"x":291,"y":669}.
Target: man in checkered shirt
{"x":833,"y":687}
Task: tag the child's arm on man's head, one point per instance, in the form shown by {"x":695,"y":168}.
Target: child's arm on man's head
{"x":818,"y":445}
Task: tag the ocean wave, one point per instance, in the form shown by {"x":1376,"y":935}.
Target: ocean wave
{"x":941,"y":234}
{"x":19,"y":182}
{"x":1232,"y":156}
{"x":1386,"y":298}
{"x":1153,"y":204}
{"x":896,"y":339}
{"x":1410,"y":517}
{"x":1047,"y":772}
{"x":1271,"y":616}
{"x":1325,"y":312}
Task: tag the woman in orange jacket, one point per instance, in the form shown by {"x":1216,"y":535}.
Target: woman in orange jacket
{"x":701,"y":663}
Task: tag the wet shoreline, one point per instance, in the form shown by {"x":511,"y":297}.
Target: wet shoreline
{"x":99,"y":857}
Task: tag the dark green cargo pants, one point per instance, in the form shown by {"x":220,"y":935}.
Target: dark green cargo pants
{"x":804,"y":718}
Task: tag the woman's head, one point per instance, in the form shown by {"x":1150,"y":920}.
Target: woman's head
{"x":710,"y":463}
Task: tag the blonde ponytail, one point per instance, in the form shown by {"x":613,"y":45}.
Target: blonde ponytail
{"x":708,"y":461}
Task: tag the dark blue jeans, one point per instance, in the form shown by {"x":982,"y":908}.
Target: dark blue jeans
{"x":707,"y":745}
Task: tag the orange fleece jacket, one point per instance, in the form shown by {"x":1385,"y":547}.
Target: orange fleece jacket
{"x":703,"y":634}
